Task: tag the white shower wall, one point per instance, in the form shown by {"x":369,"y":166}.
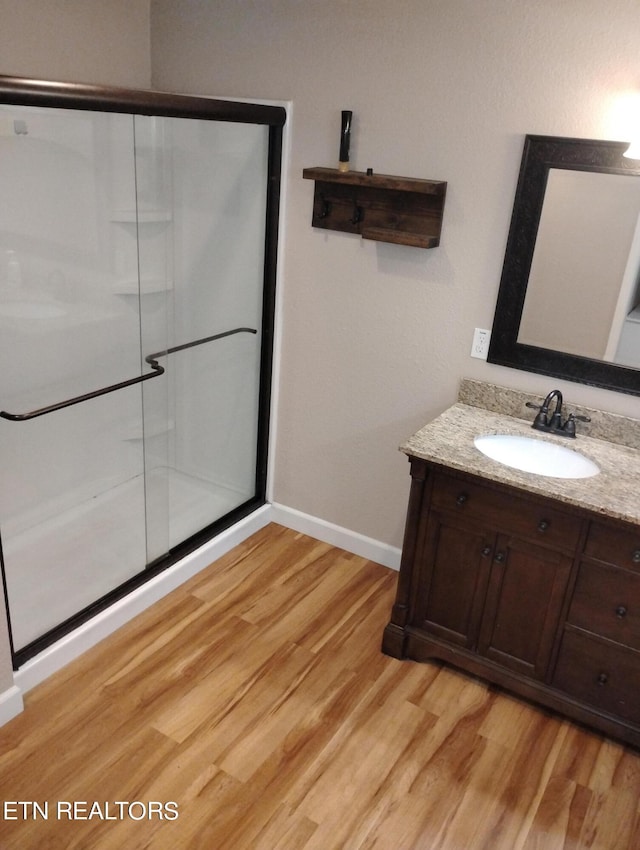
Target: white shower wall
{"x":62,"y":330}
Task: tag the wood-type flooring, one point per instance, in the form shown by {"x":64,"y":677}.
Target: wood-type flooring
{"x":254,"y":703}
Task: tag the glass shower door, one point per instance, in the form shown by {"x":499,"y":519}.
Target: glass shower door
{"x":202,"y":195}
{"x":72,"y":510}
{"x":133,"y":364}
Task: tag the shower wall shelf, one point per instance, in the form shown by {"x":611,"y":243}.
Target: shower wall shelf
{"x":401,"y":210}
{"x":150,"y":216}
{"x":146,"y":286}
{"x":136,"y":430}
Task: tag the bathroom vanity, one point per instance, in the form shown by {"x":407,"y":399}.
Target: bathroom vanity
{"x":528,"y":581}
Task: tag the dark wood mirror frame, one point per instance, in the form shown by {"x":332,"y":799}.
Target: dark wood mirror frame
{"x":542,"y":153}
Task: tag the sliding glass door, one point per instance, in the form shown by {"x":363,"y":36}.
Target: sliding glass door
{"x":206,"y":216}
{"x":136,"y":308}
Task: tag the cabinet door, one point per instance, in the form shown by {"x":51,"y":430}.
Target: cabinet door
{"x":523,"y":605}
{"x":453,"y":576}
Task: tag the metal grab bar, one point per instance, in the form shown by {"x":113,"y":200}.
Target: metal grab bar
{"x":42,"y":411}
{"x":151,"y":359}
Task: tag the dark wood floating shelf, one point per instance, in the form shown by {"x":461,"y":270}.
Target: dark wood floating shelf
{"x":402,"y":210}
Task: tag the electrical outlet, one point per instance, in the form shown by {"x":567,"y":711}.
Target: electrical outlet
{"x":480,"y":345}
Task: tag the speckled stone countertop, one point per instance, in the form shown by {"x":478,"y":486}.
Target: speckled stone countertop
{"x":613,"y":492}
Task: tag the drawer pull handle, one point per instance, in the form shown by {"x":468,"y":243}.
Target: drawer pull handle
{"x":461,"y":498}
{"x":636,"y":557}
{"x":486,"y":551}
{"x":602,"y":679}
{"x":500,"y":557}
{"x":621,"y":612}
{"x":543,"y":525}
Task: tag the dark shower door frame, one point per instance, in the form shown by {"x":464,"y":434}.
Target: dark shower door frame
{"x":76,"y":96}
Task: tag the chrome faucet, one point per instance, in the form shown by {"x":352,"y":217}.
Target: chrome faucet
{"x":553,"y":424}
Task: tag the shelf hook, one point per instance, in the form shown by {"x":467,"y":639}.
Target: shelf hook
{"x":357,"y":213}
{"x":325,"y":207}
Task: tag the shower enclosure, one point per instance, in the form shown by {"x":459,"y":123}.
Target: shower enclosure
{"x":137,"y":273}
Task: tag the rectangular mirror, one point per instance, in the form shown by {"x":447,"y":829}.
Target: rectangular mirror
{"x":568,"y":304}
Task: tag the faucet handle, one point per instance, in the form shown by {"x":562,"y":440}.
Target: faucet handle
{"x":569,"y":426}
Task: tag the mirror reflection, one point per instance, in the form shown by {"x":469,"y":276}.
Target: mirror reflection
{"x":583,"y":293}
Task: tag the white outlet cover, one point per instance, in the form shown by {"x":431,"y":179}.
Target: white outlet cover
{"x":480,"y":345}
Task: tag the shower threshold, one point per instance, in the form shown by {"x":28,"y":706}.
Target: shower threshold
{"x":68,"y":562}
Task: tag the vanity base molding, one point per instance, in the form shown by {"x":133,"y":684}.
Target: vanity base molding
{"x":532,"y":595}
{"x":417,"y":647}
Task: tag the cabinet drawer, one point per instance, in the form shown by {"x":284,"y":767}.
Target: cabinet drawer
{"x":606,"y":600}
{"x":614,"y":545}
{"x":604,"y":676}
{"x":537,"y":523}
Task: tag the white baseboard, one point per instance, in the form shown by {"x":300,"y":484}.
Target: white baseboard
{"x":10,"y":704}
{"x":336,"y":535}
{"x":106,"y":622}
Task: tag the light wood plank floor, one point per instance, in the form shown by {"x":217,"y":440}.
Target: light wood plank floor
{"x":257,"y":699}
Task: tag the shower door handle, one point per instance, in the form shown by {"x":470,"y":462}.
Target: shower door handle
{"x":151,"y":359}
{"x":42,"y":411}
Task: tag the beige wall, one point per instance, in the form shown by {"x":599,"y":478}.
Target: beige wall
{"x":89,"y":41}
{"x":86,"y":41}
{"x":376,"y":337}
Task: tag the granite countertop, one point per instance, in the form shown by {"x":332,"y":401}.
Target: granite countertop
{"x":613,"y":492}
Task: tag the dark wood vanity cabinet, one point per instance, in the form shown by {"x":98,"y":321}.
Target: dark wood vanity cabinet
{"x":535,"y":597}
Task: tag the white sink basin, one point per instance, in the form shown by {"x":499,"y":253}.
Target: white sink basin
{"x":538,"y":456}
